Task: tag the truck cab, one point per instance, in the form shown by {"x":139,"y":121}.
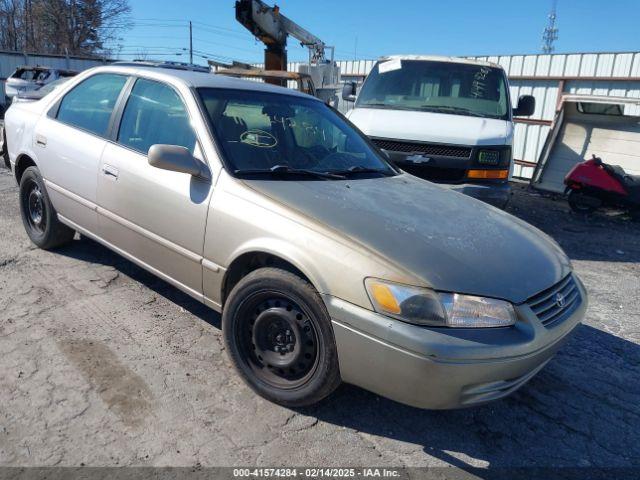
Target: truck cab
{"x":447,"y":120}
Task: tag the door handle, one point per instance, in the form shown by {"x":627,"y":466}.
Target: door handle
{"x":41,"y":140}
{"x":110,"y":171}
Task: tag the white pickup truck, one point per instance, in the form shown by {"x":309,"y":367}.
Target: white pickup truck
{"x":445,"y":119}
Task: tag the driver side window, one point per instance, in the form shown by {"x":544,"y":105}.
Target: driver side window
{"x":155,"y":114}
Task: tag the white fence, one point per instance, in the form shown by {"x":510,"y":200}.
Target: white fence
{"x":545,"y":77}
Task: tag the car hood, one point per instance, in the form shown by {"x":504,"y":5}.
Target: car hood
{"x":431,"y":127}
{"x":450,"y":241}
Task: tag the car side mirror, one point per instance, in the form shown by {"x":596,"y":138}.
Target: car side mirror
{"x":526,"y":106}
{"x":176,"y":159}
{"x":349,"y":92}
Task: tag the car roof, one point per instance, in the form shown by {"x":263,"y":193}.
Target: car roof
{"x":438,"y":58}
{"x":195,"y":79}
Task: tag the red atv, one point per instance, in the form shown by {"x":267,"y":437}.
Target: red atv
{"x":593,"y":184}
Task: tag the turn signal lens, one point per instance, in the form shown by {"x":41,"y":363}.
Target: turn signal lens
{"x":410,"y":304}
{"x":488,"y":174}
{"x":384,"y":298}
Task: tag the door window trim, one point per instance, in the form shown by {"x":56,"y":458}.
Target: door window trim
{"x":113,"y":137}
{"x":53,"y":111}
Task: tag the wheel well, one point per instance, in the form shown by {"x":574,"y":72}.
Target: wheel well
{"x":248,"y":262}
{"x":22,"y":163}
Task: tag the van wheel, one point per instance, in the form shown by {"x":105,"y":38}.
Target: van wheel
{"x":279,"y":337}
{"x":581,"y":203}
{"x":38,"y":215}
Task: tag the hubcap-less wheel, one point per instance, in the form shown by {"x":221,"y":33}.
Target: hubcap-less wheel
{"x":278,"y":340}
{"x":582,"y":203}
{"x":35,"y":208}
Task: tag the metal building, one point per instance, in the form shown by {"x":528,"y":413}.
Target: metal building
{"x":545,"y":77}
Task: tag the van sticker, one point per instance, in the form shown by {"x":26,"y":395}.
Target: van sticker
{"x":479,"y":85}
{"x":390,"y":65}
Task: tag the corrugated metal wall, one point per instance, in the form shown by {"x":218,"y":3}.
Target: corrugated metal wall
{"x":9,"y":61}
{"x":545,"y":76}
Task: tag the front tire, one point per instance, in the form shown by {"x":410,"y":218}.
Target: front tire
{"x":581,"y":203}
{"x":279,"y":337}
{"x":38,"y":215}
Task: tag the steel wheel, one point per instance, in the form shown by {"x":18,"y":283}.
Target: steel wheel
{"x":35,"y":208}
{"x":277,"y":339}
{"x":38,"y":214}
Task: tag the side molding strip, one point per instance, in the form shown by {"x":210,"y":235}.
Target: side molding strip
{"x":194,"y":257}
{"x":71,"y":195}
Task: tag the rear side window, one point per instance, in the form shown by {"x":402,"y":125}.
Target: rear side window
{"x":155,"y":114}
{"x":90,"y":104}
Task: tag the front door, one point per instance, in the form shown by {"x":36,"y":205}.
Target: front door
{"x":156,"y":216}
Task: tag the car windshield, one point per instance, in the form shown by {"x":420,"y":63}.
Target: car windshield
{"x":441,"y":87}
{"x":277,"y":134}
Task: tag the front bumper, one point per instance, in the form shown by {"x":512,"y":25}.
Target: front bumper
{"x":496,"y":194}
{"x":441,"y":368}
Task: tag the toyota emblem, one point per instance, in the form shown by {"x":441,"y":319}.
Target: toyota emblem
{"x":560,"y":300}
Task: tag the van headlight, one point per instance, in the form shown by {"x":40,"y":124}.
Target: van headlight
{"x":423,"y":306}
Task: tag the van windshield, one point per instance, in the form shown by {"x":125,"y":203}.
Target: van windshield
{"x":432,"y":86}
{"x":287,"y":135}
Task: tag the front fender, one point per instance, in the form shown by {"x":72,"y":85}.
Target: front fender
{"x":288,"y":252}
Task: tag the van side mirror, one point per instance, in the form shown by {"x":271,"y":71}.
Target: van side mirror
{"x":526,"y":106}
{"x":176,"y":159}
{"x":349,"y":92}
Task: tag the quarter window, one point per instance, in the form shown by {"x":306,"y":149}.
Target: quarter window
{"x":155,"y":114}
{"x":90,"y":104}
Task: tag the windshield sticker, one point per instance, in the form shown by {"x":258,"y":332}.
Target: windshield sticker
{"x":390,"y":65}
{"x":258,"y":138}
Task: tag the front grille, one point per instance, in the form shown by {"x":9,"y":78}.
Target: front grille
{"x":434,"y":174}
{"x":425,"y":148}
{"x":548,"y":306}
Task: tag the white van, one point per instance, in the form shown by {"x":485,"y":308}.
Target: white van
{"x":445,"y":119}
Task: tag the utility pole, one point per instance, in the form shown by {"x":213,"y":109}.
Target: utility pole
{"x":190,"y":42}
{"x":550,"y":33}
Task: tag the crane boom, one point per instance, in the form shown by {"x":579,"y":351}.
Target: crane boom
{"x":272,"y":28}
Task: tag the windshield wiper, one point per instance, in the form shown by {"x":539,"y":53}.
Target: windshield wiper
{"x":287,"y":170}
{"x":455,"y":110}
{"x":390,"y":106}
{"x":361,"y":169}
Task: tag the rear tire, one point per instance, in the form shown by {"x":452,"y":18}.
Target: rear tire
{"x":581,"y":203}
{"x":38,"y":215}
{"x":5,"y":150}
{"x":279,"y":337}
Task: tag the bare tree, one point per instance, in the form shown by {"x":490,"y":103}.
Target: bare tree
{"x":80,"y":27}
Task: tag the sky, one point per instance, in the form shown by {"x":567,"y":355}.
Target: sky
{"x":367,"y":29}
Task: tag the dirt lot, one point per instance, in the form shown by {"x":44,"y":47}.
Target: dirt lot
{"x":103,"y":364}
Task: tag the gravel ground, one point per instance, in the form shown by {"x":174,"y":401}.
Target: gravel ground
{"x":103,"y":364}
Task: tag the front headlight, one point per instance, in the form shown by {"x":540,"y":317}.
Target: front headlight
{"x":423,"y":306}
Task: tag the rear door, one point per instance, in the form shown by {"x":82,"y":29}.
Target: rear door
{"x":158,"y":217}
{"x":69,"y":141}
